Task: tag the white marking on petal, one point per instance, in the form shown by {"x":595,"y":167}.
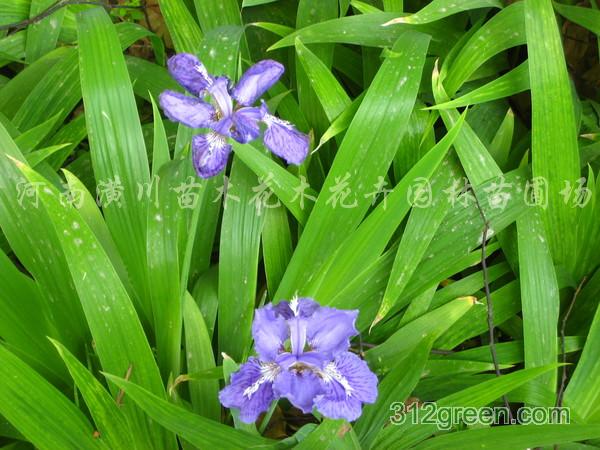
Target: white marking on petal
{"x":331,"y":373}
{"x":269,"y":120}
{"x":202,"y":71}
{"x":268,"y":372}
{"x":294,"y":305}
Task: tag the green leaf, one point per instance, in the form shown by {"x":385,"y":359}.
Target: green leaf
{"x":165,"y":222}
{"x":408,"y":434}
{"x":324,"y":435}
{"x":583,"y":390}
{"x":42,"y":35}
{"x":58,"y":92}
{"x":284,"y":184}
{"x":397,"y":385}
{"x":503,"y":31}
{"x":501,"y":144}
{"x":438,"y":9}
{"x":421,"y":227}
{"x":554,"y":151}
{"x":23,"y":325}
{"x":276,"y":245}
{"x":108,"y":309}
{"x":182,"y":27}
{"x":585,"y":17}
{"x":364,"y":8}
{"x":211,"y":16}
{"x":73,"y":132}
{"x":32,"y":137}
{"x":197,"y":430}
{"x":37,"y":157}
{"x":149,"y":79}
{"x":238,"y":263}
{"x":366,"y":30}
{"x":523,"y":436}
{"x":434,"y":323}
{"x":540,"y":300}
{"x":512,"y":352}
{"x":511,"y":83}
{"x":19,"y":87}
{"x":377,"y":126}
{"x":27,"y":400}
{"x":14,"y":11}
{"x":113,"y":427}
{"x":88,"y":208}
{"x":117,"y":146}
{"x":206,"y":295}
{"x":160,"y":149}
{"x":38,"y":250}
{"x":199,"y":357}
{"x":342,"y":122}
{"x":330,"y":93}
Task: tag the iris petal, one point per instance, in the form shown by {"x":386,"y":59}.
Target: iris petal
{"x":219,"y":90}
{"x":256,"y":81}
{"x":284,"y":140}
{"x":189,"y":72}
{"x":246,"y":124}
{"x":348,"y":383}
{"x":300,"y":387}
{"x":269,"y":331}
{"x":190,"y":111}
{"x":210,"y":153}
{"x":329,"y":330}
{"x":251,"y":389}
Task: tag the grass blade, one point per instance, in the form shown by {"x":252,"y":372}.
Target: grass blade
{"x":27,"y":400}
{"x":554,"y":151}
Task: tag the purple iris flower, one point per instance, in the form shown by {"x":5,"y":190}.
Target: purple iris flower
{"x":212,"y":106}
{"x":303,"y":356}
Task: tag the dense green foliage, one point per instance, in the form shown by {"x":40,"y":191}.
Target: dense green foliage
{"x":128,"y":284}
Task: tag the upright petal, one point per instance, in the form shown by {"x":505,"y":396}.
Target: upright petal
{"x":329,"y":330}
{"x":301,"y":307}
{"x":256,"y":81}
{"x":219,"y":90}
{"x":251,"y":389}
{"x":210,"y":153}
{"x":284,"y":140}
{"x":348,"y":383}
{"x":189,"y":72}
{"x":246,"y":124}
{"x":299,"y":386}
{"x":190,"y":111}
{"x":270,"y":331}
{"x":297,"y":334}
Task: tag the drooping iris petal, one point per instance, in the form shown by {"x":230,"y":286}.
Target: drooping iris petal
{"x":246,"y":123}
{"x":348,"y":383}
{"x":329,"y":330}
{"x":269,"y":331}
{"x":251,"y":389}
{"x":190,"y":111}
{"x":284,"y":140}
{"x":299,"y":386}
{"x":210,"y":153}
{"x":219,"y":90}
{"x":256,"y":81}
{"x":189,"y":72}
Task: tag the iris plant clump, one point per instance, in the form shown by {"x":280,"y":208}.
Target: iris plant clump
{"x":227,"y":111}
{"x":303,"y":355}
